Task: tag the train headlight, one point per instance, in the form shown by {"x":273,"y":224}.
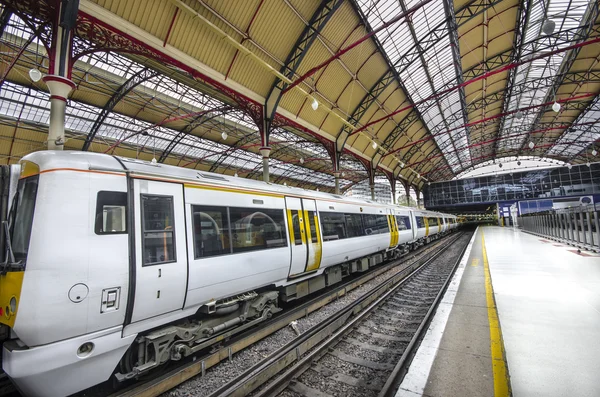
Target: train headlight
{"x":13,"y":305}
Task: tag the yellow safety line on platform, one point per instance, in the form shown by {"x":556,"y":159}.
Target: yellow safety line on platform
{"x":501,"y":380}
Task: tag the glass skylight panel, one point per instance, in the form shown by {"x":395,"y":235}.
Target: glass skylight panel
{"x":566,"y":15}
{"x":584,"y":131}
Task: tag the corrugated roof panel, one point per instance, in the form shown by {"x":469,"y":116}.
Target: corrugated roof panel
{"x":248,"y":73}
{"x":343,"y":28}
{"x":372,"y":70}
{"x":332,"y":124}
{"x":292,"y":101}
{"x":237,"y":12}
{"x":277,"y":28}
{"x":305,"y":8}
{"x":351,"y":97}
{"x":332,"y":82}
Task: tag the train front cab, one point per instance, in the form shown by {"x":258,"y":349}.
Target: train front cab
{"x":53,"y":277}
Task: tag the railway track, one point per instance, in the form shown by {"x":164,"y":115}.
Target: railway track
{"x":364,"y":349}
{"x":200,"y":365}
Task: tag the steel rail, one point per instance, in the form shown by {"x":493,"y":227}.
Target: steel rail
{"x":199,"y":365}
{"x":315,"y":341}
{"x":395,"y":378}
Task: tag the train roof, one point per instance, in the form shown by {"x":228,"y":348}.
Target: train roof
{"x":97,"y":161}
{"x":49,"y":159}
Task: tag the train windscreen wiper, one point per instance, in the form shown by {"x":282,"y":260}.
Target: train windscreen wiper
{"x":13,"y":264}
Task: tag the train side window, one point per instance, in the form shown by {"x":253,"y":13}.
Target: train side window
{"x":354,"y":225}
{"x":420,"y":222}
{"x":296,"y":226}
{"x":370,"y":223}
{"x":253,"y":229}
{"x":158,"y":239}
{"x":382,"y":224}
{"x":111,"y":213}
{"x":333,"y":226}
{"x":403,"y":222}
{"x":375,"y":224}
{"x":211,"y":231}
{"x":313,"y":228}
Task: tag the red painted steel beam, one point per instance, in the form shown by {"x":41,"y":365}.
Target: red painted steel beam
{"x":163,"y":122}
{"x":476,"y":79}
{"x":427,"y":138}
{"x":356,"y":43}
{"x":558,"y":127}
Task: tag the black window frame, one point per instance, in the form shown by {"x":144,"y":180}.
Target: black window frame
{"x":284,"y":232}
{"x":324,"y":217}
{"x":312,"y":226}
{"x":405,"y":221}
{"x":229,"y":236}
{"x":143,"y":229}
{"x":98,"y":221}
{"x":296,"y":227}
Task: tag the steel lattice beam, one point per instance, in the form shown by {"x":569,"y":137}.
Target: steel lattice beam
{"x":387,"y":78}
{"x":196,"y":122}
{"x":445,"y":125}
{"x":138,"y":78}
{"x":523,"y":14}
{"x":463,"y":15}
{"x":530,"y":49}
{"x":531,"y":85}
{"x":454,"y":46}
{"x":594,"y":106}
{"x":585,"y":30}
{"x":4,"y":19}
{"x":317,"y":22}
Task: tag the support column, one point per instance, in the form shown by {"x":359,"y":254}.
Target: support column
{"x":372,"y":186}
{"x":418,"y":192}
{"x":393,"y":196}
{"x":265,"y":151}
{"x":60,"y":88}
{"x":58,"y":79}
{"x":337,"y":182}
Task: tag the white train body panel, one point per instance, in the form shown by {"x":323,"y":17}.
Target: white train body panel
{"x":80,"y":286}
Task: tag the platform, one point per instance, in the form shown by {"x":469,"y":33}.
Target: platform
{"x":534,"y":330}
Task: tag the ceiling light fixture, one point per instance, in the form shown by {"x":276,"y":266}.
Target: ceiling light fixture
{"x":519,"y":114}
{"x":548,"y":27}
{"x":224,"y":135}
{"x":374,"y":145}
{"x":569,"y":165}
{"x":35,"y":75}
{"x":301,"y":160}
{"x":594,"y":152}
{"x":531,"y":145}
{"x":556,"y":107}
{"x":236,"y":175}
{"x":315,"y":104}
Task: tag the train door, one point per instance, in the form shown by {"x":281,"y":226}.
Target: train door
{"x":305,"y":235}
{"x":161,"y":267}
{"x":393,"y":228}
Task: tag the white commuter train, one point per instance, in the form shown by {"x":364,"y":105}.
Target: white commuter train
{"x":116,"y":266}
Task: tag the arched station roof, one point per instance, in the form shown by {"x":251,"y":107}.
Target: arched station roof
{"x":415,"y":90}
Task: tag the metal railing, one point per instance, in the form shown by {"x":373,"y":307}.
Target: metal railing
{"x":575,"y":226}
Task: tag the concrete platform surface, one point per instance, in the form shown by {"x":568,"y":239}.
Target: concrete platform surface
{"x":521,"y":317}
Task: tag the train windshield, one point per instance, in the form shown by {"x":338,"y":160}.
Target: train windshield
{"x":21,"y":217}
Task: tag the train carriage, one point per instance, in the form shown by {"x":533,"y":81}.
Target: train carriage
{"x":122,"y":263}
